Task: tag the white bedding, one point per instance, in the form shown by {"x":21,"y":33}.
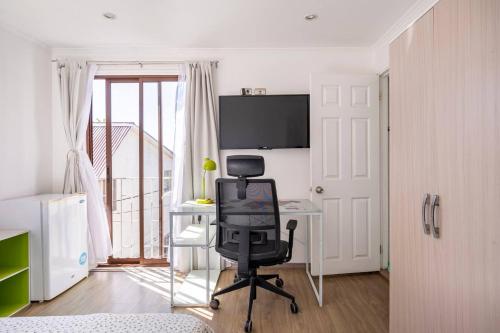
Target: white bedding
{"x":106,"y":322}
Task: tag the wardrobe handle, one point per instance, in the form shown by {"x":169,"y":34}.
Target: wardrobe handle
{"x":434,"y":224}
{"x":425,"y":201}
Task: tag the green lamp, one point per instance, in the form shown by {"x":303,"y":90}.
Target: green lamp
{"x":208,"y":165}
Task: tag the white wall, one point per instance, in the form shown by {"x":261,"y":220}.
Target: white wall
{"x":277,"y":70}
{"x":25,"y":117}
{"x":287,"y":72}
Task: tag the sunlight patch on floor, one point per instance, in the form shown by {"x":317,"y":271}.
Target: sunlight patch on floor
{"x":189,"y":289}
{"x":201,"y":312}
{"x":156,"y":279}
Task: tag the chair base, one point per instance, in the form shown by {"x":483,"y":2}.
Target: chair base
{"x":253,"y":281}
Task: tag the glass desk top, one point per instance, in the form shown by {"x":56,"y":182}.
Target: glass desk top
{"x":287,"y":207}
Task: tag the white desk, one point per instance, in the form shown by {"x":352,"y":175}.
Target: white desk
{"x":299,"y":207}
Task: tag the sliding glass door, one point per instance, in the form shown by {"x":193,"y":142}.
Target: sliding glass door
{"x":133,"y":123}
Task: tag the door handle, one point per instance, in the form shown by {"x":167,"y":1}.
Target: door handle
{"x":434,"y":223}
{"x":425,"y":202}
{"x":319,"y":189}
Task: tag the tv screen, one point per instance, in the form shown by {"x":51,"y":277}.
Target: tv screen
{"x":264,"y":122}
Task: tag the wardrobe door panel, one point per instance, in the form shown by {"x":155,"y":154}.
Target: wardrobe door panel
{"x":411,"y":121}
{"x":467,"y":104}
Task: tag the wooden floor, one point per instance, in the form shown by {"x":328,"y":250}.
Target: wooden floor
{"x":353,"y":303}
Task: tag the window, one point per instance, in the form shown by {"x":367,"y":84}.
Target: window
{"x":113,"y":193}
{"x":167,"y":180}
{"x":131,"y":145}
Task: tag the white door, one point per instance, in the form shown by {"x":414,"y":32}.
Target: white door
{"x":345,"y":170}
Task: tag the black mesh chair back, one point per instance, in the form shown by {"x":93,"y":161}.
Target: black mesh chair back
{"x":257,"y":215}
{"x":247,"y":214}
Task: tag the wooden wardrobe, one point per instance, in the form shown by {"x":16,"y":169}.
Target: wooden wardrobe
{"x":445,"y":142}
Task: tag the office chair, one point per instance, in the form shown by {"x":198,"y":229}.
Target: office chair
{"x":248,"y":229}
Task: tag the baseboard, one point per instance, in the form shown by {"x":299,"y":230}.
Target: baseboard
{"x":385,"y":274}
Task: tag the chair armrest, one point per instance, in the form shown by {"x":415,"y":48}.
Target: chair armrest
{"x":290,"y":226}
{"x":244,"y":252}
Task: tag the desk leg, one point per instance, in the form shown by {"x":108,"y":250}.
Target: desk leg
{"x":207,"y":265}
{"x":171,"y":256}
{"x":317,"y":291}
{"x":308,"y":244}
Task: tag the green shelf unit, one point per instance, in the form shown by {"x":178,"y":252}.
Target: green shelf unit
{"x":7,"y":272}
{"x":14,"y":271}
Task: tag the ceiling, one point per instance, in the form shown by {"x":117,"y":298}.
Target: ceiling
{"x":203,"y":23}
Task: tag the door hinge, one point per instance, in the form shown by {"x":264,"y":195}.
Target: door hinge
{"x":380,"y":249}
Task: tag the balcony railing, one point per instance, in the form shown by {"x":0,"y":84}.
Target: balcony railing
{"x":126,"y":216}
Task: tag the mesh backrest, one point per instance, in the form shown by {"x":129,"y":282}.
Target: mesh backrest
{"x":257,"y":212}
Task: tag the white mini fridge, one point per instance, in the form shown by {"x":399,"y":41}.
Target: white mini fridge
{"x":58,"y":239}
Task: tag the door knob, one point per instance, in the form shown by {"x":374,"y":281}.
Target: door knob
{"x":319,"y":189}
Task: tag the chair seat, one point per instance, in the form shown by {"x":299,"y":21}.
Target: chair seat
{"x":261,"y":259}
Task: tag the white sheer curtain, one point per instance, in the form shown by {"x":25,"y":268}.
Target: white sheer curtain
{"x":196,"y":137}
{"x":75,"y":87}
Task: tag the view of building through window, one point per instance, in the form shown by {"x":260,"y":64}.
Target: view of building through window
{"x":121,"y":158}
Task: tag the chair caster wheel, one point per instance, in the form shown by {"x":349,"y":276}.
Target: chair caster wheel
{"x":248,"y":326}
{"x":279,"y":282}
{"x":294,"y":307}
{"x":214,"y":304}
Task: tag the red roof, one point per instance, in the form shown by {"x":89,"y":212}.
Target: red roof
{"x":118,"y":132}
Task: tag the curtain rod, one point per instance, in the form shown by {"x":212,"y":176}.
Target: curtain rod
{"x":138,"y":62}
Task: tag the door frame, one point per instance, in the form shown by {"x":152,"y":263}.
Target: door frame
{"x":384,"y":86}
{"x":140,"y":79}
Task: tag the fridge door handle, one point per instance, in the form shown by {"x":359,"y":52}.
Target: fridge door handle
{"x":425,"y":224}
{"x":434,"y":221}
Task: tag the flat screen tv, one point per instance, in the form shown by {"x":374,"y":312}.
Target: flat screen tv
{"x":264,"y":122}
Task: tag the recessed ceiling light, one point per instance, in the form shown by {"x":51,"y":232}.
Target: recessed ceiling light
{"x":311,"y":17}
{"x":109,"y":15}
